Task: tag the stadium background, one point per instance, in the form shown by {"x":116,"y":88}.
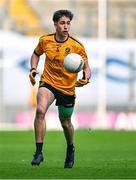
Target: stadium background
{"x":108,"y":31}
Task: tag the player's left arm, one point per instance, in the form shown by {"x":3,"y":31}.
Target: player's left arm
{"x":86,"y":76}
{"x":87,"y":70}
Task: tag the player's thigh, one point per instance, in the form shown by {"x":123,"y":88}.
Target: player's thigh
{"x":44,"y":99}
{"x":65,"y":113}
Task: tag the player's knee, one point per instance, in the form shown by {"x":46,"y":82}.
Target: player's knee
{"x":66,"y":124}
{"x":40,"y":113}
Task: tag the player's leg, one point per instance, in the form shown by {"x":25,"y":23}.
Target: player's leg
{"x":44,"y":99}
{"x":65,"y":119}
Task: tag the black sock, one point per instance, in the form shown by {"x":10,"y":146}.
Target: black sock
{"x":39,"y":148}
{"x":70,"y":146}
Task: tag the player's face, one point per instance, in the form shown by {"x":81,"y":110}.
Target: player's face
{"x":62,"y":27}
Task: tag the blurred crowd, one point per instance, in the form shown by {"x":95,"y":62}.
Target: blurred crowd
{"x":33,"y":17}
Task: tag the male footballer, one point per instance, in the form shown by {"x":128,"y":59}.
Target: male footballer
{"x":56,"y":83}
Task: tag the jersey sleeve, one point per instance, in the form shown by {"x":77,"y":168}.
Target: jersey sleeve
{"x":82,"y":53}
{"x":39,"y":48}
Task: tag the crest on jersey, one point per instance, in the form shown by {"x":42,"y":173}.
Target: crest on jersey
{"x":67,"y":50}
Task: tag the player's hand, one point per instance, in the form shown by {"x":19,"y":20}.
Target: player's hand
{"x":82,"y":82}
{"x":32,"y":75}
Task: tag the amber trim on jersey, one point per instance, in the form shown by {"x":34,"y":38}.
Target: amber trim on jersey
{"x":75,"y":40}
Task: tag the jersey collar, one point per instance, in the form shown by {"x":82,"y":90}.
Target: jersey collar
{"x":60,"y":41}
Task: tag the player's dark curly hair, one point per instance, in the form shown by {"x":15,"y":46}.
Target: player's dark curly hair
{"x":58,"y":14}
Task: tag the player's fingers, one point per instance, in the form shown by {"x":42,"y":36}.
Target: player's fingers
{"x":33,"y":82}
{"x":78,"y":84}
{"x":81,"y":82}
{"x":86,"y":81}
{"x":33,"y":73}
{"x":32,"y":79}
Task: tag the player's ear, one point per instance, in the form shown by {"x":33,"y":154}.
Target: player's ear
{"x":55,"y":24}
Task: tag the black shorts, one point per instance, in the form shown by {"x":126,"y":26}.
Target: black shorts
{"x":61,"y":98}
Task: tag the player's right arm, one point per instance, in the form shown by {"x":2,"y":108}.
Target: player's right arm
{"x":35,"y":60}
{"x":34,"y":63}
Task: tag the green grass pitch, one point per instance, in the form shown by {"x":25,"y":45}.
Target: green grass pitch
{"x":99,"y":155}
